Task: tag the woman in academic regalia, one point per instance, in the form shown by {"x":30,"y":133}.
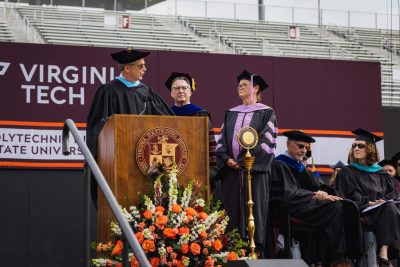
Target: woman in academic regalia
{"x":364,"y":182}
{"x":230,"y":167}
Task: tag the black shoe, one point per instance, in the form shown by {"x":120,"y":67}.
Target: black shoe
{"x":384,"y":262}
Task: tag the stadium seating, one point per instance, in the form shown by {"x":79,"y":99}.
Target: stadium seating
{"x":5,"y":32}
{"x":86,"y":26}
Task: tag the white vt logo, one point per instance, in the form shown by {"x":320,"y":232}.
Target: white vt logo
{"x":3,"y":67}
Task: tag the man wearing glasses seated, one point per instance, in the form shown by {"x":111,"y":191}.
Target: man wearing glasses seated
{"x":295,"y":191}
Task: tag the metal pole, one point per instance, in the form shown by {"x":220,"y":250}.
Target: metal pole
{"x":83,"y":3}
{"x":261,"y":10}
{"x":293,"y":15}
{"x":319,"y":13}
{"x":376,"y":20}
{"x":348,"y":19}
{"x":234,"y":11}
{"x":205,"y":9}
{"x":86,"y":212}
{"x":69,"y":125}
{"x":115,"y":5}
{"x":176,"y":7}
{"x":145,"y":6}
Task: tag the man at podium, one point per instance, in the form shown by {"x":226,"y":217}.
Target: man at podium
{"x":126,"y":94}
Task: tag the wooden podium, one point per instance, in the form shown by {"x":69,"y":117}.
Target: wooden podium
{"x":130,"y":143}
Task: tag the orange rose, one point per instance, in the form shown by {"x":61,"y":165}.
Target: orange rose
{"x":190,"y":211}
{"x":176,"y":208}
{"x":203,"y":215}
{"x":185,"y":248}
{"x":152,"y":228}
{"x":119,"y":264}
{"x":148,"y":245}
{"x":183,"y":230}
{"x":118,"y":248}
{"x":170,"y":249}
{"x":209,"y":262}
{"x":203,"y":234}
{"x":205,"y":251}
{"x":140,"y":237}
{"x":134,"y":262}
{"x":142,"y":225}
{"x":217,"y":245}
{"x":160,"y":209}
{"x":147,"y":214}
{"x":170,"y":233}
{"x":232,"y":256}
{"x":155,"y":262}
{"x":207,"y":243}
{"x":161,"y":221}
{"x":195,"y":248}
{"x":174,"y":255}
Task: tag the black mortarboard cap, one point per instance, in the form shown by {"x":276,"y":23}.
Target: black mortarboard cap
{"x":299,"y":136}
{"x":396,"y":157}
{"x":337,"y":165}
{"x":387,"y":162}
{"x":128,"y":55}
{"x":363,"y":135}
{"x":174,"y":75}
{"x":257,"y":79}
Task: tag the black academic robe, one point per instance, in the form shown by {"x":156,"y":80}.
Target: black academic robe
{"x":234,"y":182}
{"x":116,"y":98}
{"x":362,"y":187}
{"x":289,"y":197}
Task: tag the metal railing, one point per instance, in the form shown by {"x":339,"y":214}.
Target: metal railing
{"x":69,"y":126}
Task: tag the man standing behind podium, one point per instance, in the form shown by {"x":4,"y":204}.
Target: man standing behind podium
{"x":126,"y":94}
{"x":182,"y":86}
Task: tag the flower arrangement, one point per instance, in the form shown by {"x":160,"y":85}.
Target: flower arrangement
{"x":175,"y":227}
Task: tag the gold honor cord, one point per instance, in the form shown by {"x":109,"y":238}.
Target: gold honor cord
{"x":248,"y":139}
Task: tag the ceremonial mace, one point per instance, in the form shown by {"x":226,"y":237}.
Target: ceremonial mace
{"x":248,"y":139}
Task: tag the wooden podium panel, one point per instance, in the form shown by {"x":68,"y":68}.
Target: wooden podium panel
{"x":118,"y":142}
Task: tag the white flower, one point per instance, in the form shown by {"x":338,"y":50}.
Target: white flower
{"x":200,"y":202}
{"x":147,"y":234}
{"x":116,"y":229}
{"x":100,"y":262}
{"x":126,"y":214}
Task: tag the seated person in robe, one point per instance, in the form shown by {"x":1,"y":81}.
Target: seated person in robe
{"x":364,"y":182}
{"x":296,"y":192}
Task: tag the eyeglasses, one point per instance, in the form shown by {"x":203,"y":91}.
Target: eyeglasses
{"x":301,"y":146}
{"x":178,"y":88}
{"x":360,"y":146}
{"x":244,"y":85}
{"x":141,"y":66}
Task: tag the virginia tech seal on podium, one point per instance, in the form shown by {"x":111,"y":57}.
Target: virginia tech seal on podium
{"x":161,"y":145}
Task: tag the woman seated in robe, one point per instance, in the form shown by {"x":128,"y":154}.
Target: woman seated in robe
{"x":364,"y":182}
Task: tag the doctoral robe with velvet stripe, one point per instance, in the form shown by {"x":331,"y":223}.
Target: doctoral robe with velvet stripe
{"x":234,"y":182}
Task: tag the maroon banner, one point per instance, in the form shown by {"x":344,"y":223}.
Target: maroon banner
{"x":42,"y":85}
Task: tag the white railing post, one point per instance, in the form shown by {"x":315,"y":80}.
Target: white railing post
{"x":348,"y":19}
{"x":205,"y":9}
{"x":176,"y":7}
{"x":234,"y":10}
{"x":293,"y":15}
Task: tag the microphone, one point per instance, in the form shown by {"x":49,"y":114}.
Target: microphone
{"x":151,"y":100}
